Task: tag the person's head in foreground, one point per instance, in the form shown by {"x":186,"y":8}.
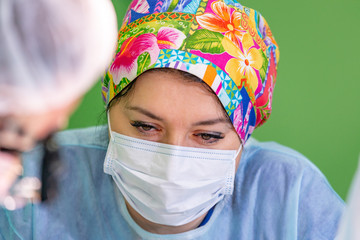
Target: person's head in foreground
{"x":51,"y":53}
{"x":189,"y":84}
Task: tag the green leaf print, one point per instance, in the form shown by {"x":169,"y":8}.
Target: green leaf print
{"x":123,"y":83}
{"x":143,"y":62}
{"x":106,"y":80}
{"x":173,"y":5}
{"x":206,"y":41}
{"x":264,"y":67}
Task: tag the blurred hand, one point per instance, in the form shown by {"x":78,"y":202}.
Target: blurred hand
{"x":10,"y":170}
{"x":20,"y":134}
{"x":13,"y":141}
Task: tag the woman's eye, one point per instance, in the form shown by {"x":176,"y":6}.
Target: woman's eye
{"x":206,"y":136}
{"x":210,"y":137}
{"x":143,"y":126}
{"x":146,"y":127}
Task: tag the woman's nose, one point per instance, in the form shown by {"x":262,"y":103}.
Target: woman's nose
{"x":176,"y":139}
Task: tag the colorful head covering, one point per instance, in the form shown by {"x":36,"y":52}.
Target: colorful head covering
{"x":52,"y":51}
{"x":227,"y":45}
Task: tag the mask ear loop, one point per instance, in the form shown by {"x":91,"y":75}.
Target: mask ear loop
{"x":108,"y":120}
{"x":231,"y":175}
{"x":239,"y":150}
{"x":108,"y":161}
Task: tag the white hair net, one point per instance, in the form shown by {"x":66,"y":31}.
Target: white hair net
{"x":52,"y":51}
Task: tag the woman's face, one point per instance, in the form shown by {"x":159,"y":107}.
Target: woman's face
{"x":164,"y":107}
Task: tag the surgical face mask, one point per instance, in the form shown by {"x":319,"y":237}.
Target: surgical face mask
{"x":166,"y":184}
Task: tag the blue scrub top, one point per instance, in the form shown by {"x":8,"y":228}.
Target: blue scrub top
{"x":279,"y":194}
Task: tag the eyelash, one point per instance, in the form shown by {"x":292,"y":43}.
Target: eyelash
{"x":140,"y":127}
{"x":206,"y":138}
{"x":212,"y":138}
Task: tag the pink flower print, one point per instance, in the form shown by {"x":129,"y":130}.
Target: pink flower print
{"x":246,"y":123}
{"x":264,"y":99}
{"x":125,"y":64}
{"x":238,"y":121}
{"x":241,"y":124}
{"x":170,"y":38}
{"x":140,"y":6}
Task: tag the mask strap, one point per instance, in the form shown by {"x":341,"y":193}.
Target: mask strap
{"x":239,"y":150}
{"x":108,"y":119}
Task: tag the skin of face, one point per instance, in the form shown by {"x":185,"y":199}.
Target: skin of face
{"x":165,"y":108}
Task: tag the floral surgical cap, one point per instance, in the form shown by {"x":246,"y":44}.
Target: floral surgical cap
{"x":227,"y":45}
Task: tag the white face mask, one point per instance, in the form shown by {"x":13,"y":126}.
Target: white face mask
{"x":167,"y":184}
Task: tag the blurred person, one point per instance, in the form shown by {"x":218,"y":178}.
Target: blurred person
{"x":51,"y":53}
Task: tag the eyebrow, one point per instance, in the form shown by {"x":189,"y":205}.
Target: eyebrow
{"x":201,"y":123}
{"x":212,"y":122}
{"x":145,"y":112}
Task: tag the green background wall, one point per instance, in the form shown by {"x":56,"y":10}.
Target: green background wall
{"x":315,"y":109}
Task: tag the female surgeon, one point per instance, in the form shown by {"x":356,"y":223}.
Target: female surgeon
{"x":190,"y":82}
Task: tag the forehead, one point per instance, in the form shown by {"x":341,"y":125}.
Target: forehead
{"x":169,"y":91}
